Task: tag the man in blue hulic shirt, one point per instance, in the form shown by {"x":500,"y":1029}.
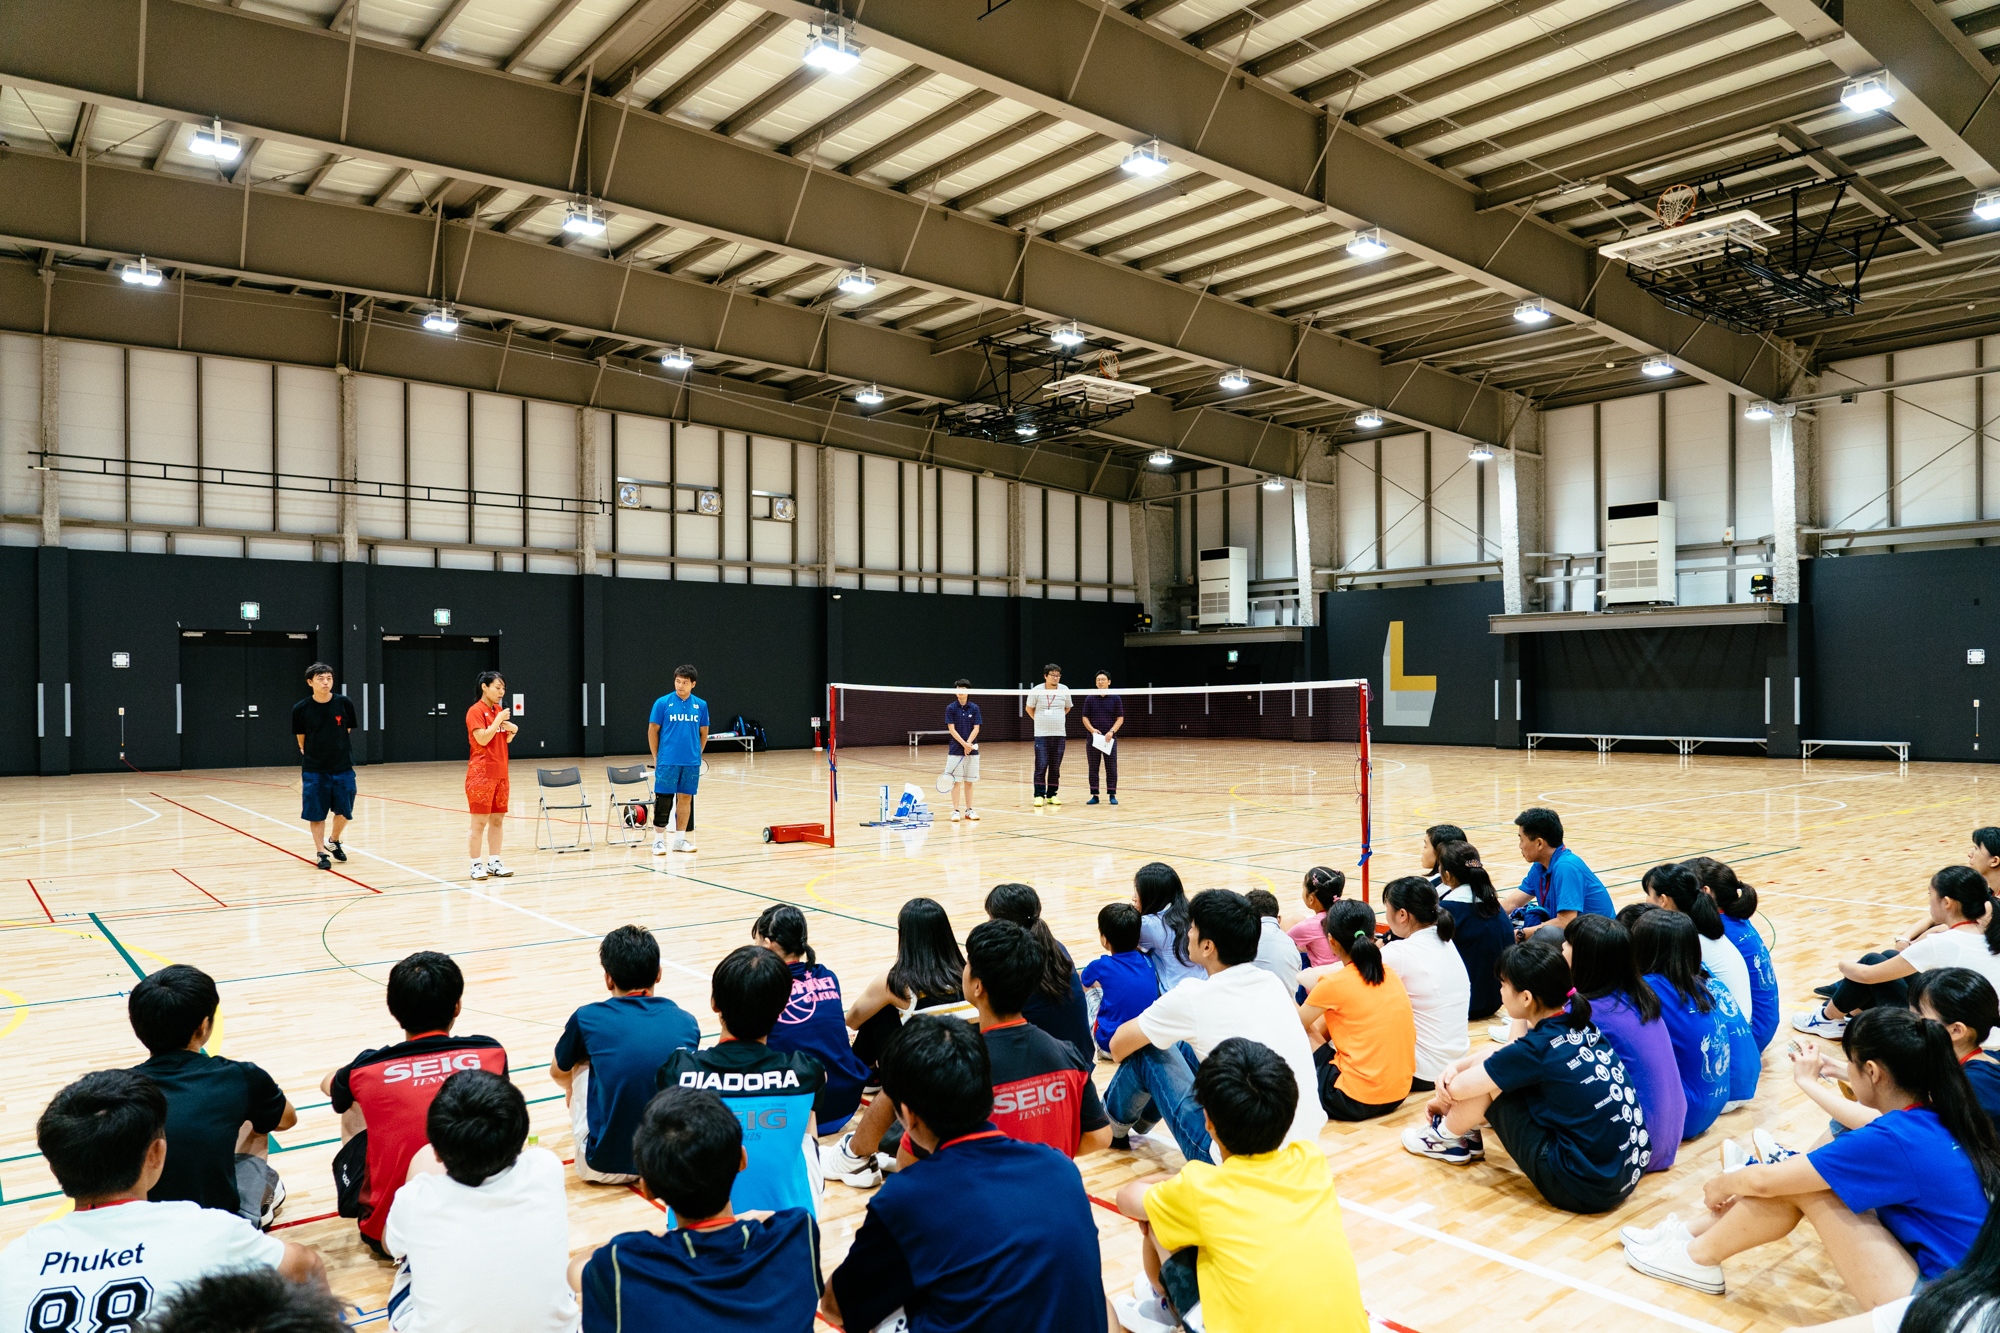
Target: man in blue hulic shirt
{"x":677,"y":733}
{"x":1558,"y":886}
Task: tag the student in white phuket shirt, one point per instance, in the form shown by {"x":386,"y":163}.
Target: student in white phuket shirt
{"x":481,"y":1228}
{"x":113,"y":1259}
{"x":1049,"y":705}
{"x":1433,"y":974}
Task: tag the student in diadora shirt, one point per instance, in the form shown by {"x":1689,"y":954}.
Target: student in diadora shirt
{"x":814,"y":1022}
{"x":1042,"y":1091}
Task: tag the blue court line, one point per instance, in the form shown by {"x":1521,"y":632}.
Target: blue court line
{"x":130,"y":962}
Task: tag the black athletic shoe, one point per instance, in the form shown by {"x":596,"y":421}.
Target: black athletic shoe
{"x":324,"y":862}
{"x":1825,"y":991}
{"x":339,"y":852}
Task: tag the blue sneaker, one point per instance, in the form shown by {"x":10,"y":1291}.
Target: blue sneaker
{"x":1114,"y":798}
{"x":1092,"y":800}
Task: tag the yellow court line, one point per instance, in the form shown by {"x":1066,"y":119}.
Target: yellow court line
{"x":20,"y":1007}
{"x":214,"y":1046}
{"x":850,"y":907}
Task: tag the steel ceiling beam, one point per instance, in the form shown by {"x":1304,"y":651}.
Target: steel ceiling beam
{"x":669,"y":39}
{"x":929,"y":127}
{"x":889,"y":90}
{"x":537,"y":35}
{"x":1337,"y":86}
{"x":732,"y":53}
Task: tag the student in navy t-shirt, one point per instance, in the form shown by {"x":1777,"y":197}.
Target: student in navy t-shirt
{"x":608,"y":1052}
{"x":1924,"y":1168}
{"x":771,"y":1091}
{"x":705,"y":1269}
{"x":1122,"y":982}
{"x":676,"y":735}
{"x":815,"y":1021}
{"x":1558,"y":884}
{"x":961,"y":751}
{"x":1042,"y":1091}
{"x":983,"y":1231}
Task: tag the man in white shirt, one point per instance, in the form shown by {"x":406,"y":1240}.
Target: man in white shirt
{"x":116,"y":1256}
{"x":1159,"y":1050}
{"x":481,"y":1228}
{"x":1049,"y":706}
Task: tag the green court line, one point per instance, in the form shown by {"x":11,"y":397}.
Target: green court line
{"x":130,"y":962}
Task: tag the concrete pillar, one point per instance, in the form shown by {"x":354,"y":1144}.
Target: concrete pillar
{"x":586,"y":490}
{"x":1521,"y":481}
{"x":1315,"y":526}
{"x":1153,"y":548}
{"x":824,"y":532}
{"x":1794,"y":476}
{"x":49,"y":441}
{"x":348,"y":504}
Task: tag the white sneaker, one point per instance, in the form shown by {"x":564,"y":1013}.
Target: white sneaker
{"x":1734,"y":1157}
{"x":683,"y":844}
{"x":1769,"y":1149}
{"x":1670,"y":1225}
{"x":496,"y":869}
{"x":972,"y":815}
{"x":1501,"y":1032}
{"x":955,"y":815}
{"x":1148,"y":1316}
{"x":1434,"y":1140}
{"x":1738,"y":1105}
{"x":1667,"y":1259}
{"x":1815,"y":1023}
{"x":276,"y":1201}
{"x":479,"y":870}
{"x":842,"y":1165}
{"x":659,"y":844}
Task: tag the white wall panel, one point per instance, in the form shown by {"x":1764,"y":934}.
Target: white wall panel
{"x":163,"y":432}
{"x":1356,"y":470}
{"x":879,"y":524}
{"x":642,"y":454}
{"x":1061,"y":535}
{"x":1032,"y":563}
{"x":697,"y":462}
{"x":735,"y":534}
{"x":1454,"y":502}
{"x":20,"y":423}
{"x":496,"y":467}
{"x":378,"y":407}
{"x":808,"y":520}
{"x":992,"y":534}
{"x":1121,"y":551}
{"x":1853,"y":464}
{"x":1934,"y":437}
{"x":551,"y":472}
{"x":93,"y":406}
{"x":438,"y":457}
{"x":956,"y":532}
{"x":1698,"y":485}
{"x":1402,"y":501}
{"x":236,"y":433}
{"x":1631,"y":450}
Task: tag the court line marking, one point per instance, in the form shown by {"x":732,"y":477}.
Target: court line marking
{"x":38,"y":898}
{"x":205,"y":893}
{"x":151,"y":815}
{"x":285,"y":851}
{"x":20,"y":1008}
{"x":130,"y":961}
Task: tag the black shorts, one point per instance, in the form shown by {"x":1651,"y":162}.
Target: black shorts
{"x":1337,"y":1104}
{"x":1530,"y":1145}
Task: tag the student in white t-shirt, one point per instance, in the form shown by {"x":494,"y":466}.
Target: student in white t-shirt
{"x":1960,"y":902}
{"x":1049,"y":705}
{"x":481,"y":1227}
{"x":1433,"y":974}
{"x":1155,"y":1077}
{"x":111,"y":1260}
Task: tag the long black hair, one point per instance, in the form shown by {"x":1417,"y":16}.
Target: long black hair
{"x":1458,"y":861}
{"x":1020,"y":904}
{"x":1679,"y":886}
{"x":1736,"y":899}
{"x":1665,"y":944}
{"x":928,"y":960}
{"x":1437,"y":835}
{"x":1917,"y":1053}
{"x":1417,"y":896}
{"x":1601,"y":964}
{"x":1958,"y":995}
{"x":1967,"y":1298}
{"x":785,"y":926}
{"x":1967,"y":887}
{"x":1541,"y":971}
{"x":1350,"y":923}
{"x":1161,"y":895}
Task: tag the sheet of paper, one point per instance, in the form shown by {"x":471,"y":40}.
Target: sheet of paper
{"x":1102,"y":741}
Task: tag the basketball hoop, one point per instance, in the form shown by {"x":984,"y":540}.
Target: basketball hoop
{"x":1107,"y":364}
{"x":1676,"y":202}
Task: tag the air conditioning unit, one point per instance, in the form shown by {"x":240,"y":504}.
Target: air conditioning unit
{"x":1224,"y":590}
{"x":1639,"y":554}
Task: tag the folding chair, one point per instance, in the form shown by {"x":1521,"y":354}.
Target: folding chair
{"x":628,"y":813}
{"x":546,"y":780}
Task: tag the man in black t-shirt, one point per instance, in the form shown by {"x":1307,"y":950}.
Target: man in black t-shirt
{"x":326,"y":761}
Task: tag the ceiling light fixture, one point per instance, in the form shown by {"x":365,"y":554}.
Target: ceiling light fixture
{"x":831,"y":48}
{"x":212,"y":142}
{"x":1656,"y":366}
{"x":1367,"y":244}
{"x":868,"y":397}
{"x":440,"y":318}
{"x":1986,"y":205}
{"x":1868,"y":93}
{"x":141,"y":274}
{"x":677,"y":358}
{"x":1233,"y":380}
{"x":856,"y":282}
{"x":1479,"y":453}
{"x":1026,"y":429}
{"x":1068,"y":335}
{"x":1757,"y":411}
{"x":1369,"y":419}
{"x":1160,"y":458}
{"x":1273,"y":484}
{"x":583,"y":218}
{"x":1148,"y":159}
{"x":1532,"y":311}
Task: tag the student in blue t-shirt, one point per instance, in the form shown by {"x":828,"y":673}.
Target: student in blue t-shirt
{"x":1665,"y":951}
{"x":815,"y":1021}
{"x":1924,"y":1169}
{"x":608,"y":1051}
{"x":676,"y":736}
{"x":1737,"y":905}
{"x":706,"y":1268}
{"x":982,"y":1231}
{"x":1122,"y":983}
{"x":1558,"y":884}
{"x":771,"y":1091}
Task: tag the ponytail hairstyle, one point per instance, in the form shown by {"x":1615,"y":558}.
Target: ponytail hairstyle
{"x":1917,"y":1054}
{"x":1437,"y":835}
{"x":1737,"y":900}
{"x":1020,"y":904}
{"x":1967,"y":887}
{"x":928,"y":960}
{"x":1325,"y":884}
{"x":1539,"y":970}
{"x":1958,"y":995}
{"x":1665,"y":944}
{"x":1966,"y":1298}
{"x":785,"y":926}
{"x":1458,"y":861}
{"x":1350,"y":924}
{"x":1678,"y":885}
{"x":1415,"y":895}
{"x":1161,"y":895}
{"x":1601,"y":964}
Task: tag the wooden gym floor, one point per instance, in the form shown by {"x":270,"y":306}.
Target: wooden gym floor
{"x":106,"y":877}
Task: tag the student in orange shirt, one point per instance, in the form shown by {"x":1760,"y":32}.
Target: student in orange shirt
{"x":488,"y":729}
{"x":1363,"y":1029}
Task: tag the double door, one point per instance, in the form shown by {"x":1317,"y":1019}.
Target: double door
{"x":428,"y":682}
{"x":237,"y":692}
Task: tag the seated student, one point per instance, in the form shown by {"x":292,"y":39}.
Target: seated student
{"x":1627,"y":1012}
{"x":1359,"y":1018}
{"x":1042,"y":1091}
{"x":1428,"y":845}
{"x":248,"y":1300}
{"x":1558,"y":884}
{"x":813,"y":1022}
{"x":1433,"y":976}
{"x":1163,"y":924}
{"x":1121,"y":983}
{"x":1557,"y":1096}
{"x":609,"y":1050}
{"x":1965,"y":1003}
{"x":480,"y":1230}
{"x":1896,"y":1201}
{"x":219,"y":1112}
{"x":1483,"y":929}
{"x":1161,"y":1048}
{"x":1737,"y":905}
{"x":1024,"y":1253}
{"x":104,"y":1137}
{"x":384,"y":1093}
{"x":1323,"y":886}
{"x":1235,"y":1237}
{"x":1056,"y":1005}
{"x":1677,"y":888}
{"x":1960,"y":900}
{"x":705,"y":1268}
{"x":1276,"y":953}
{"x":1665,"y":952}
{"x":771,"y":1091}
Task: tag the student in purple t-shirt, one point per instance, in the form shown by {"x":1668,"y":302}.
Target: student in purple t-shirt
{"x":1103,"y":714}
{"x":1627,"y":1012}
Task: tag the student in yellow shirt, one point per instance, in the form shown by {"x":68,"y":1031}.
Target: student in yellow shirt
{"x":1232,"y":1239}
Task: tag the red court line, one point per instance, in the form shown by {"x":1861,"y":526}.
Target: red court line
{"x":280,"y":1226}
{"x":292,"y":787}
{"x":254,"y":838}
{"x":38,"y":898}
{"x":217,"y":901}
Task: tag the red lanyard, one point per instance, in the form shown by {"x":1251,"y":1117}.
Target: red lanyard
{"x":967,"y":1138}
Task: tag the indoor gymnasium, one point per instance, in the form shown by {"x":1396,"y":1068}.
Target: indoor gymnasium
{"x":971,"y":666}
